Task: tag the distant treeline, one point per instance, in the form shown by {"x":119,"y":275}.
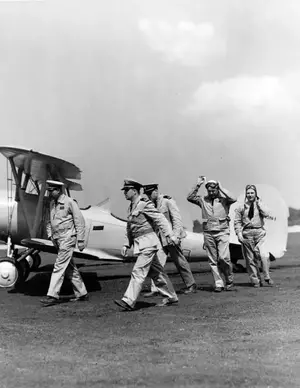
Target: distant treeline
{"x":294,"y":219}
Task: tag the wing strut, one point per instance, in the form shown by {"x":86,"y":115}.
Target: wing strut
{"x":39,"y":210}
{"x":20,"y":194}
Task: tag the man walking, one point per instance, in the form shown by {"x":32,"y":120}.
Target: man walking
{"x":65,"y":227}
{"x":215,"y":214}
{"x":143,"y":219}
{"x":168,"y":207}
{"x":249,"y":228}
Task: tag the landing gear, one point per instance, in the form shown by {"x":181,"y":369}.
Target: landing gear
{"x":34,"y":261}
{"x":15,"y":270}
{"x":236,"y":254}
{"x":9,"y":273}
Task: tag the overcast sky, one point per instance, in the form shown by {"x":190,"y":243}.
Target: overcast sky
{"x":161,"y":91}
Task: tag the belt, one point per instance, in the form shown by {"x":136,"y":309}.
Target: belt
{"x":142,"y":232}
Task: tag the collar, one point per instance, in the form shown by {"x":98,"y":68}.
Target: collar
{"x":60,"y":199}
{"x":210,"y":199}
{"x":134,"y":204}
{"x":249,"y":203}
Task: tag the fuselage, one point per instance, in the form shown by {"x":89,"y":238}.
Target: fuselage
{"x":106,"y":232}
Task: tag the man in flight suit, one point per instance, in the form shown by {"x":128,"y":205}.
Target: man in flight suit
{"x":143,"y":220}
{"x":215,"y":214}
{"x":65,"y":227}
{"x":250,"y":230}
{"x":168,"y":207}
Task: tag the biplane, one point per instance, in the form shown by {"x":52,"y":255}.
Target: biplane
{"x":24,"y":205}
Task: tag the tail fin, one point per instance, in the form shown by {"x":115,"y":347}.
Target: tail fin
{"x":277,"y":231}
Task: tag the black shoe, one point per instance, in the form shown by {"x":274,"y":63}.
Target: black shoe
{"x":218,"y":289}
{"x":167,"y":302}
{"x":83,"y":298}
{"x":124,"y":305}
{"x":269,"y":282}
{"x":229,"y":286}
{"x":189,"y":290}
{"x":50,"y":301}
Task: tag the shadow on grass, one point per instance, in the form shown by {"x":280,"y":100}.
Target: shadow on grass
{"x":38,"y":284}
{"x":140,"y":305}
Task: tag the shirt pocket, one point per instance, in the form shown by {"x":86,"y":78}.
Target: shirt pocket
{"x":137,"y":217}
{"x":62,"y":211}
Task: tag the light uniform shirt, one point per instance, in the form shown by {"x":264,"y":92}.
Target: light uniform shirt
{"x":65,"y":219}
{"x":168,"y":207}
{"x":143,"y":220}
{"x":242,"y":221}
{"x":215,"y":213}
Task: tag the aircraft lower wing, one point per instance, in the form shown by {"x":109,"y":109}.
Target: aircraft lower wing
{"x":89,"y":254}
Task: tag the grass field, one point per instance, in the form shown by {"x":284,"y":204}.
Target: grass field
{"x":245,"y":338}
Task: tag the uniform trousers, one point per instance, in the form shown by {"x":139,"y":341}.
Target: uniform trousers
{"x":65,"y":267}
{"x":147,"y":264}
{"x":254,"y":253}
{"x":217,"y":248}
{"x":180,"y":262}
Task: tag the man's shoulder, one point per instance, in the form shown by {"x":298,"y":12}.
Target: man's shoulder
{"x":240,"y":207}
{"x":164,"y":198}
{"x":144,"y":202}
{"x":68,"y":200}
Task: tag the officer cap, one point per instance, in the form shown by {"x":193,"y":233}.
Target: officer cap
{"x":149,"y":188}
{"x":131,"y":184}
{"x":51,"y":185}
{"x":212,"y":183}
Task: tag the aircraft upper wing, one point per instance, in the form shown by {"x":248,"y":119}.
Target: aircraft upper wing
{"x":42,"y":167}
{"x":90,"y":254}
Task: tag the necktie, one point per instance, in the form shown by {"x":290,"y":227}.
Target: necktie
{"x":251,"y":211}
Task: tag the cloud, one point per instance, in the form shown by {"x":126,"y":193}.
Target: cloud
{"x":261,"y":100}
{"x":255,"y":121}
{"x":185,"y":42}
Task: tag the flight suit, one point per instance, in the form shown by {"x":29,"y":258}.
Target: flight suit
{"x":168,"y":207}
{"x":65,"y":226}
{"x":143,"y":219}
{"x":254,"y":236}
{"x":216,"y":233}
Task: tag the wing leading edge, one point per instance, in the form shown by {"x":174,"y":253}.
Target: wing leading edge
{"x":41,"y":166}
{"x":89,"y":254}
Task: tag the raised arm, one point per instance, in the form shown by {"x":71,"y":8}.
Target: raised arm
{"x":229,"y":196}
{"x":264,"y":211}
{"x":193,"y":196}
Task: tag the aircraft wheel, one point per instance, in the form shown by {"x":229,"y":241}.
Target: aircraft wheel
{"x":10,"y":273}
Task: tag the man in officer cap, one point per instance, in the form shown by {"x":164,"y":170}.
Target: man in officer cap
{"x":215,"y":216}
{"x":168,"y":207}
{"x":65,"y":227}
{"x":143,"y":219}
